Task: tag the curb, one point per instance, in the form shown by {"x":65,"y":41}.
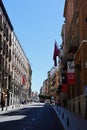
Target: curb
{"x":70,"y":120}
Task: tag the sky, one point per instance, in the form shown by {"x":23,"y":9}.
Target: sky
{"x":37,"y":24}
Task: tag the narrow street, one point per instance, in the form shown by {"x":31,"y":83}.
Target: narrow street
{"x":36,"y":117}
{"x":43,"y":65}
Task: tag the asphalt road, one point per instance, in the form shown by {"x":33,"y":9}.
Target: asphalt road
{"x":36,"y":117}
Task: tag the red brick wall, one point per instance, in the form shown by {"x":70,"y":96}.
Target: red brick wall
{"x":83,"y":20}
{"x":69,"y":10}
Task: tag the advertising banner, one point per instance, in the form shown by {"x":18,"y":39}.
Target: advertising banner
{"x":70,"y":73}
{"x":64,"y":88}
{"x":71,"y":78}
{"x":70,"y":67}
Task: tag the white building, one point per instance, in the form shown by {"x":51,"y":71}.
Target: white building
{"x":21,"y":72}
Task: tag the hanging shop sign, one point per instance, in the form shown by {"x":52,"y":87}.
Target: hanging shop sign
{"x":70,"y":73}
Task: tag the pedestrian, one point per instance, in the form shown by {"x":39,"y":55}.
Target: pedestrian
{"x":2,"y":104}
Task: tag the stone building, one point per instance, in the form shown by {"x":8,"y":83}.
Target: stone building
{"x":15,"y":69}
{"x":53,"y":78}
{"x":21,"y":72}
{"x":45,"y":85}
{"x":5,"y":56}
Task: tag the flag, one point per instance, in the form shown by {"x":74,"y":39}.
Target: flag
{"x":23,"y":80}
{"x":56,"y":53}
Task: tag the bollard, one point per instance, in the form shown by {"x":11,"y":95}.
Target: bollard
{"x":62,"y":115}
{"x":59,"y":112}
{"x":68,"y":121}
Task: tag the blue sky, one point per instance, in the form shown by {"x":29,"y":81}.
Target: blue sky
{"x":37,"y":24}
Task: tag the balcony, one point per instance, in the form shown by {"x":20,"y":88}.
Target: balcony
{"x":74,"y":44}
{"x":0,"y":75}
{"x":1,"y":26}
{"x":1,"y":46}
{"x":9,"y":55}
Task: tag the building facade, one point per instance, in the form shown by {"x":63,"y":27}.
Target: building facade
{"x":5,"y":56}
{"x":74,"y":34}
{"x":15,"y":69}
{"x":21,"y":72}
{"x":53,"y":83}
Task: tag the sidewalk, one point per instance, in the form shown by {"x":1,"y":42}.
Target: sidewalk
{"x":17,"y":107}
{"x":13,"y":108}
{"x":70,"y":120}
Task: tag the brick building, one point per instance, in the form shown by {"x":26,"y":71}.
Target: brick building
{"x":74,"y":45}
